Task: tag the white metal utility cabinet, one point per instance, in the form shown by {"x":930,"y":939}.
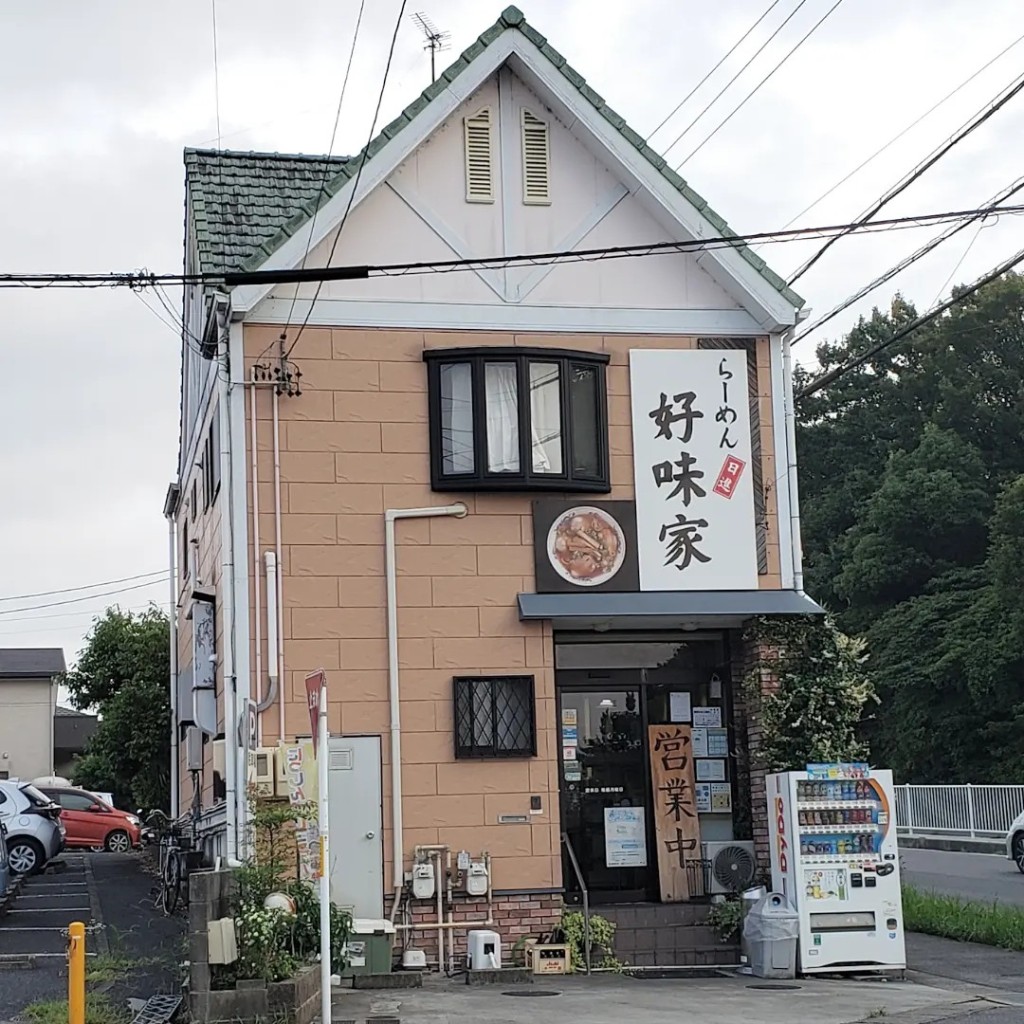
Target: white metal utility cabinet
{"x":832,"y":831}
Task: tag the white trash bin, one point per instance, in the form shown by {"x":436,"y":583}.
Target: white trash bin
{"x":770,"y":930}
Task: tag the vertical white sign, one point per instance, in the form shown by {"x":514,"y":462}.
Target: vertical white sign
{"x":692,"y":466}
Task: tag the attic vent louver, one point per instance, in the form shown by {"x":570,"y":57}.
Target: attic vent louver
{"x":479,"y":163}
{"x":536,"y":160}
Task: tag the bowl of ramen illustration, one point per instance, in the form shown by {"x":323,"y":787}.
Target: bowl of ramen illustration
{"x":586,"y":546}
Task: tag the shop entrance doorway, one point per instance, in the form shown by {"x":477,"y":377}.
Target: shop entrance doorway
{"x":609,"y":693}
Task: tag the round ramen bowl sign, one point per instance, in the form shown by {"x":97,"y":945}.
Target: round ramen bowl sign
{"x":586,"y":546}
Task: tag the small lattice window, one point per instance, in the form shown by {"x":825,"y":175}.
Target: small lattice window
{"x":536,"y":160}
{"x":494,"y":717}
{"x":479,"y":158}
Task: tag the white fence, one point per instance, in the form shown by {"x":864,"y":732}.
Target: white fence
{"x":983,"y":811}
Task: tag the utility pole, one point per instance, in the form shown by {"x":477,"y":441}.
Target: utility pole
{"x":436,"y":40}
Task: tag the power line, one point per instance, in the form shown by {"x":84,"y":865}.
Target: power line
{"x":232,"y":279}
{"x":899,"y":135}
{"x":86,"y":597}
{"x":904,"y":183}
{"x":85,"y":586}
{"x":721,"y":61}
{"x":840,"y":371}
{"x":991,"y":208}
{"x":86,"y":613}
{"x":959,"y":262}
{"x":330,"y":151}
{"x":355,"y":183}
{"x":718,"y":94}
{"x":814,"y":28}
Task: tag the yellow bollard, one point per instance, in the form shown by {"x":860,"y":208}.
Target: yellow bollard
{"x":76,"y":973}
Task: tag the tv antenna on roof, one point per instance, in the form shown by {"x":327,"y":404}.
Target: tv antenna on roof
{"x":436,"y":40}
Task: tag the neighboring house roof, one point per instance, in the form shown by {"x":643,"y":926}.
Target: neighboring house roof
{"x":72,"y":730}
{"x":240,"y":201}
{"x":235,"y":232}
{"x":31,"y":662}
{"x":60,"y":712}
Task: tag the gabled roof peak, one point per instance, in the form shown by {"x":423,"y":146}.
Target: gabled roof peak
{"x":263,"y":228}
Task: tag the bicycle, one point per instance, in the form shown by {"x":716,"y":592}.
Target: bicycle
{"x":180,"y":853}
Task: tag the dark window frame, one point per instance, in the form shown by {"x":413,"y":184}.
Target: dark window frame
{"x":463,"y":690}
{"x":482,"y":479}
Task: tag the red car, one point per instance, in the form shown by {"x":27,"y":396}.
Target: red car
{"x":92,"y":823}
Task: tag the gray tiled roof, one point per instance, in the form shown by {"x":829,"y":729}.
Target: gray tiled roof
{"x":31,"y":662}
{"x":59,"y":712}
{"x":237,"y":233}
{"x":241,"y":200}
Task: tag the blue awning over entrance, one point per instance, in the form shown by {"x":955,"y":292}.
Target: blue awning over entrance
{"x":698,"y":609}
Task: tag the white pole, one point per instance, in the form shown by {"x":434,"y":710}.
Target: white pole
{"x":325,"y":881}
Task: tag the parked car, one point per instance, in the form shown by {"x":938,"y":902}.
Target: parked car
{"x":5,"y":866}
{"x":92,"y":823}
{"x":35,"y":833}
{"x":1015,"y":842}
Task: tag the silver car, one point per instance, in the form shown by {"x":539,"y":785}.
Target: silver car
{"x":35,"y":834}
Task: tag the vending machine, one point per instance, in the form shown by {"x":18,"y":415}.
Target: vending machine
{"x":832,"y":831}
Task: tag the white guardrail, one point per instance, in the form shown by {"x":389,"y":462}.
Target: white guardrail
{"x":967,"y":810}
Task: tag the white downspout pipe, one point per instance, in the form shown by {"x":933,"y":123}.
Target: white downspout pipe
{"x":394,"y":692}
{"x":172,"y":578}
{"x":228,"y":597}
{"x":794,"y":493}
{"x":273,"y":641}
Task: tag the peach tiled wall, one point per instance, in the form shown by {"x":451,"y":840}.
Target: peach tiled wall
{"x":354,"y":444}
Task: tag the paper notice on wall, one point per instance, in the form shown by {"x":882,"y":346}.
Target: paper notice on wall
{"x":718,"y":743}
{"x":569,"y":753}
{"x":721,"y":797}
{"x":625,"y":837}
{"x":573,"y":771}
{"x":700,"y":742}
{"x":710,"y":718}
{"x":711,"y":770}
{"x":679,"y":707}
{"x":702,"y":797}
{"x":568,"y":716}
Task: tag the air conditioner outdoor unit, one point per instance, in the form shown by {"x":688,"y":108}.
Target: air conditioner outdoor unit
{"x":733,"y":867}
{"x":263,"y":770}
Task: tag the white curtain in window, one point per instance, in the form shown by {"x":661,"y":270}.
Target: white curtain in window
{"x":456,"y":418}
{"x":546,"y":417}
{"x":502,"y":404}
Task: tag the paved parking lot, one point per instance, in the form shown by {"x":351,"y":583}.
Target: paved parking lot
{"x":112,"y":891}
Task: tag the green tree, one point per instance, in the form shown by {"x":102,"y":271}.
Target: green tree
{"x":123,"y":675}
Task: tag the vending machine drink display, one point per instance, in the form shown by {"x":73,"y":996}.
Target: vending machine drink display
{"x":832,"y":831}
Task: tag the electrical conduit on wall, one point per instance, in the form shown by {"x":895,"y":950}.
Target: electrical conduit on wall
{"x":391,"y":516}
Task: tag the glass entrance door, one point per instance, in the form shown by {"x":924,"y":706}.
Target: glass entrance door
{"x":604,"y":790}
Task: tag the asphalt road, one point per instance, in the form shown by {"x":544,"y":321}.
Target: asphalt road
{"x":974,"y":876}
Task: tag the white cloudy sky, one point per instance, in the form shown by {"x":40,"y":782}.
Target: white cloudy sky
{"x":100,"y":99}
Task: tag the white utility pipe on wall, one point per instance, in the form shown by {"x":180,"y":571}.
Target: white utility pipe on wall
{"x":394,"y":691}
{"x":794,"y":493}
{"x":257,"y":602}
{"x":279,"y":652}
{"x":172,"y":575}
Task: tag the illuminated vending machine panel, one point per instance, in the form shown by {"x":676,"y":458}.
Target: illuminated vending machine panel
{"x":833,"y":850}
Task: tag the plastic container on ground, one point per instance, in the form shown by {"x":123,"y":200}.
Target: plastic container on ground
{"x":747,"y":899}
{"x":770,"y":931}
{"x":369,"y":947}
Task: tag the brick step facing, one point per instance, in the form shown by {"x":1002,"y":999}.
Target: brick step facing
{"x":667,"y":935}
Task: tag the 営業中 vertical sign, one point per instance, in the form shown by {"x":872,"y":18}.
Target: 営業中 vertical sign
{"x":692,"y":467}
{"x":676,"y":827}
